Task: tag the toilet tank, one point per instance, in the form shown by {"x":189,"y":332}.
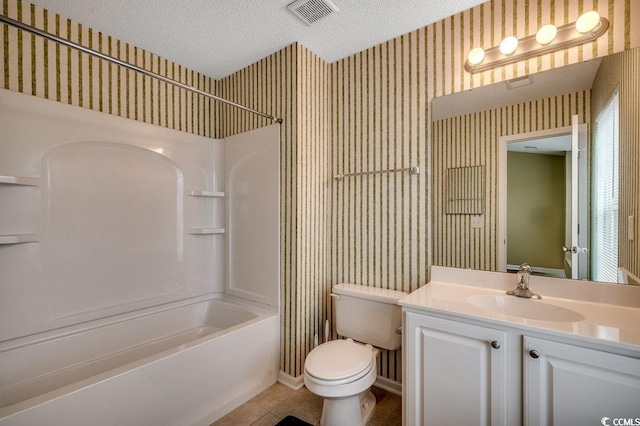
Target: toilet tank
{"x":368,"y":314}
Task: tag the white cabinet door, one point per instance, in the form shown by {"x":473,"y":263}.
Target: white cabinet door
{"x":455,"y":376}
{"x":569,"y":385}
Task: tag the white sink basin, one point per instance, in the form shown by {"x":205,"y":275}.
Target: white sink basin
{"x":525,"y":308}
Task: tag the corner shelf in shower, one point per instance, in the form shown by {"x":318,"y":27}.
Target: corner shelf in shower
{"x":202,"y":193}
{"x":19,"y":239}
{"x":19,"y":180}
{"x":205,"y":231}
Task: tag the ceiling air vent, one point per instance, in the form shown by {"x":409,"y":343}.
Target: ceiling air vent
{"x":310,"y":11}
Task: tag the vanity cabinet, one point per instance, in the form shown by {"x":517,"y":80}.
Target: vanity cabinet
{"x":456,"y":373}
{"x":472,"y":373}
{"x":572,"y":385}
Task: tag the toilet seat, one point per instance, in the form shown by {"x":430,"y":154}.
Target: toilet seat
{"x":340,"y":368}
{"x":339,"y":362}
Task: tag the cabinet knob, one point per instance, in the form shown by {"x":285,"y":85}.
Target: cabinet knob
{"x":495,"y":344}
{"x":534,"y":354}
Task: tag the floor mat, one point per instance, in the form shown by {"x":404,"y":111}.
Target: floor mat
{"x":292,"y":421}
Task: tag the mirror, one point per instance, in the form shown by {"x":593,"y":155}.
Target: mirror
{"x":465,"y":190}
{"x":500,"y":126}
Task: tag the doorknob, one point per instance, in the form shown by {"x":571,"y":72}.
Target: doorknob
{"x":574,"y":249}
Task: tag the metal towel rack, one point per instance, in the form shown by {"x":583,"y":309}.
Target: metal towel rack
{"x":411,"y":170}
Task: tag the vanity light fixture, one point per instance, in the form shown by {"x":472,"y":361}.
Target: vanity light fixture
{"x":587,"y":21}
{"x":549,"y":38}
{"x":509,"y":45}
{"x":546,"y":34}
{"x":476,"y":56}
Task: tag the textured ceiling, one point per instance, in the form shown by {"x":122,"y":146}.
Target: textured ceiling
{"x":220,"y":37}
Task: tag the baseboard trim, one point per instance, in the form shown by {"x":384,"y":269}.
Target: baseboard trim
{"x":288,"y":380}
{"x":389,"y":385}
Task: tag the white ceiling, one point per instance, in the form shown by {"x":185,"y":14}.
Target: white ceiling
{"x":552,"y":145}
{"x":220,"y":37}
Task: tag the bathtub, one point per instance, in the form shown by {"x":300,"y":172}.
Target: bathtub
{"x":184,"y":363}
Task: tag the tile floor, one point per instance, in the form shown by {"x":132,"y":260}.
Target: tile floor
{"x":279,"y":401}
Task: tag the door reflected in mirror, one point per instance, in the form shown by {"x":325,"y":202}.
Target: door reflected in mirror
{"x":545,"y":208}
{"x":539,"y":203}
{"x":544,"y":175}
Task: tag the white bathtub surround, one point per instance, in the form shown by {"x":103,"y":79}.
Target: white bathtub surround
{"x":123,"y":305}
{"x":110,"y":213}
{"x":253,"y":215}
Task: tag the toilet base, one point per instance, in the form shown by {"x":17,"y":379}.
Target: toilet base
{"x":367,"y":404}
{"x":351,"y":410}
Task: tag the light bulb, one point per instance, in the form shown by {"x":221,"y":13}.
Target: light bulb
{"x":546,"y":34}
{"x":587,"y":21}
{"x":509,"y":45}
{"x":476,"y":56}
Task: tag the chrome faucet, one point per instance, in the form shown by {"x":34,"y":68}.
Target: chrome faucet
{"x":523,"y":284}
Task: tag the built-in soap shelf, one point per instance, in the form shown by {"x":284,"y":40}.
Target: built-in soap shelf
{"x":205,"y":231}
{"x":19,"y":239}
{"x":19,"y":180}
{"x":202,"y":193}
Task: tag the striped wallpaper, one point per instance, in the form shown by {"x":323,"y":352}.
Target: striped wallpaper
{"x":472,"y":140}
{"x":313,"y":287}
{"x":49,"y":70}
{"x":369,"y":111}
{"x":379,"y":121}
{"x":622,"y":71}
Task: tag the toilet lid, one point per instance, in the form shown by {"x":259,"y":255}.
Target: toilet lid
{"x":338,"y":359}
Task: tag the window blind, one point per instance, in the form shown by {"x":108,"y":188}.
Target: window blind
{"x":604,"y":224}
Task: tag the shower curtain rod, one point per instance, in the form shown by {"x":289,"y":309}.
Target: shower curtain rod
{"x":111,"y":59}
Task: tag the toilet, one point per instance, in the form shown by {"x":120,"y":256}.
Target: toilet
{"x":342,"y":371}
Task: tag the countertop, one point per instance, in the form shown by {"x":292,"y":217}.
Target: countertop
{"x":611,"y":312}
